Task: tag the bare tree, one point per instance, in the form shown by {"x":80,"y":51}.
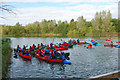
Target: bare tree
{"x":4,"y":7}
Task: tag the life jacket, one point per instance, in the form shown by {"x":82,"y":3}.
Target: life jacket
{"x":29,"y":49}
{"x":23,"y":51}
{"x":32,"y":47}
{"x":46,"y":50}
{"x":38,"y":46}
{"x":48,"y":47}
{"x":39,"y":53}
{"x":56,"y":46}
{"x":60,"y":46}
{"x":41,"y":45}
{"x":52,"y":54}
{"x":18,"y":48}
{"x":37,"y":49}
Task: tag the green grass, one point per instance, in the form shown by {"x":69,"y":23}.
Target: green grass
{"x":6,"y":56}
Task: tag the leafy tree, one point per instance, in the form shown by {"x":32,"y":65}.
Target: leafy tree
{"x":107,"y":24}
{"x":81,"y":26}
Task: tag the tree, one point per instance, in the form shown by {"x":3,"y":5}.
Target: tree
{"x":107,"y":24}
{"x":96,"y":23}
{"x":81,"y":26}
{"x":6,"y":8}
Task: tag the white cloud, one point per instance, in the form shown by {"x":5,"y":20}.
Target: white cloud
{"x":32,"y":14}
{"x":60,"y":1}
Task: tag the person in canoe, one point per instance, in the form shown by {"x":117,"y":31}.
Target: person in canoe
{"x":111,"y":43}
{"x":55,"y":46}
{"x":33,"y":47}
{"x":38,"y":45}
{"x":23,"y":51}
{"x":27,"y":52}
{"x":69,"y":42}
{"x":30,"y":48}
{"x":60,"y":45}
{"x":52,"y":56}
{"x":61,"y":56}
{"x":51,"y":45}
{"x":24,"y":47}
{"x":64,"y":42}
{"x":89,"y":46}
{"x":74,"y":41}
{"x":95,"y":43}
{"x":41,"y":45}
{"x":61,"y":40}
{"x":18,"y":48}
{"x":46,"y":50}
{"x":55,"y":52}
{"x":78,"y":40}
{"x":39,"y":52}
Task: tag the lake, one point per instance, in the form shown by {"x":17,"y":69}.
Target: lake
{"x":86,"y":63}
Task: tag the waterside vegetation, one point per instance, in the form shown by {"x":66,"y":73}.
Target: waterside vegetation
{"x":101,"y":25}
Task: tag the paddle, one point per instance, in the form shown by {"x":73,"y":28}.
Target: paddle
{"x":66,"y":54}
{"x":15,"y":55}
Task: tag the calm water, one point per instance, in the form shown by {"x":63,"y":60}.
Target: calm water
{"x":85,"y":62}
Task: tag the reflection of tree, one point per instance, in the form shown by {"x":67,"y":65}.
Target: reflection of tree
{"x":4,"y":7}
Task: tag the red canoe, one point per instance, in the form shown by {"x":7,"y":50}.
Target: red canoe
{"x":89,"y":46}
{"x":92,"y":41}
{"x":24,"y":56}
{"x":48,"y":59}
{"x":118,"y":42}
{"x":66,"y":44}
{"x":110,"y":45}
{"x":63,"y":48}
{"x":80,"y":43}
{"x":108,"y":40}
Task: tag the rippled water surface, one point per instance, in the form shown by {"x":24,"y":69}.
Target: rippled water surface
{"x":85,"y":62}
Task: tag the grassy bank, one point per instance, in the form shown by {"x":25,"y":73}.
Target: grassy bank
{"x":113,"y":34}
{"x":6,"y":56}
{"x":35,"y":35}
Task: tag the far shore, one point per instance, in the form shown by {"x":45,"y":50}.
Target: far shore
{"x":100,"y":37}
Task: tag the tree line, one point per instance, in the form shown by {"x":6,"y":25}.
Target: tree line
{"x":102,"y":23}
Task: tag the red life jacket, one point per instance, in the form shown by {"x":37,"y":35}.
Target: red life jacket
{"x":39,"y":53}
{"x":61,"y":46}
{"x":52,"y":54}
{"x":37,"y":49}
{"x":23,"y":51}
{"x":32,"y":47}
{"x":29,"y":49}
{"x":38,"y":46}
{"x":48,"y":47}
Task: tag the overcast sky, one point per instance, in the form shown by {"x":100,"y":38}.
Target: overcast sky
{"x":29,"y":11}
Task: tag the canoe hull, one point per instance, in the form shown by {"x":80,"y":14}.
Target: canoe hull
{"x":117,"y":46}
{"x":24,"y":56}
{"x":48,"y":59}
{"x":118,"y":42}
{"x":108,"y":40}
{"x":80,"y":43}
{"x":110,"y":45}
{"x":64,"y":48}
{"x":89,"y":46}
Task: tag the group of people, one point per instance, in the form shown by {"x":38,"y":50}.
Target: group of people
{"x":24,"y":51}
{"x":39,"y":51}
